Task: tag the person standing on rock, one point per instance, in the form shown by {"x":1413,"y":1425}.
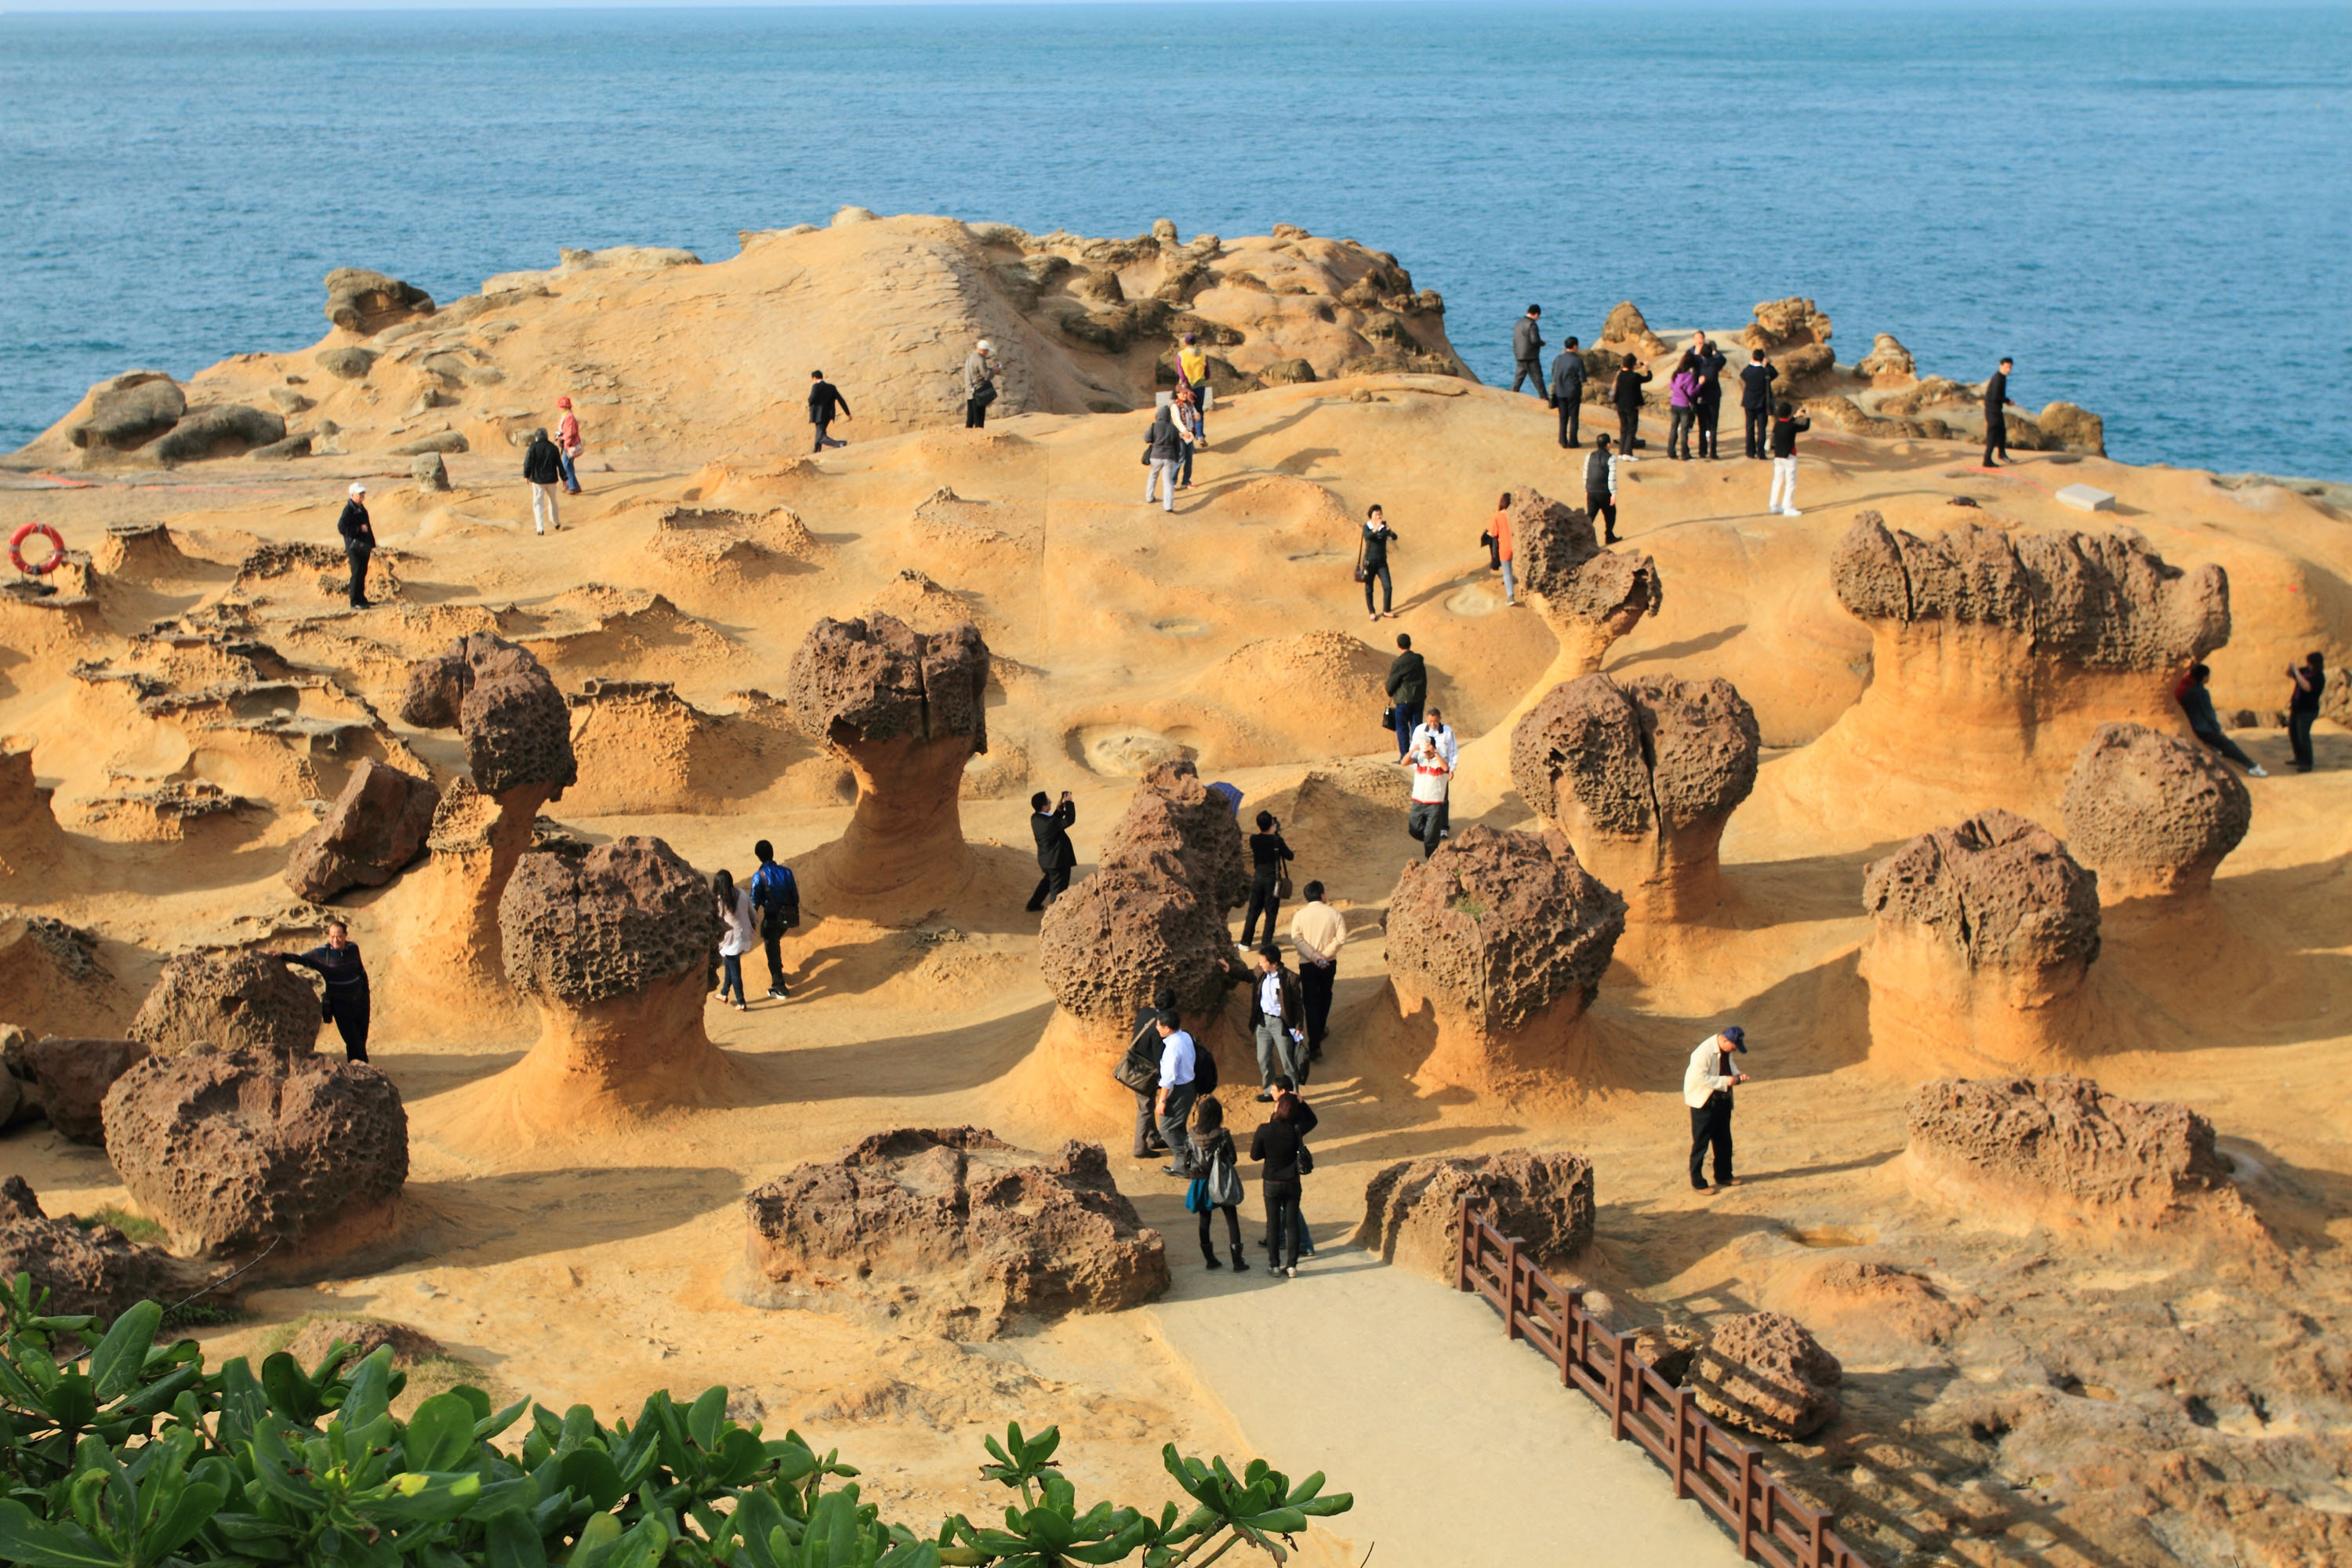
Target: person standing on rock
{"x":1526,"y":349}
{"x":1568,"y":391}
{"x":1179,"y":1065}
{"x":979,"y":384}
{"x":1317,"y":932}
{"x":825,"y":405}
{"x":1192,"y":376}
{"x":1707,"y":1083}
{"x":1756,"y":381}
{"x":1281,"y":1144}
{"x":568,"y":446}
{"x":1373,"y":562}
{"x":1996,"y":399}
{"x":1408,"y":688}
{"x":1626,"y":394}
{"x":1188,"y":425}
{"x":1600,"y":487}
{"x":1787,"y":426}
{"x":1711,"y":364}
{"x":776,"y":896}
{"x":1269,"y":864}
{"x":359,"y":542}
{"x":1433,"y":777}
{"x":2206,"y":725}
{"x":542,"y":467}
{"x":1049,"y":824}
{"x":737,"y":931}
{"x":1280,"y":1030}
{"x":1498,"y":533}
{"x":1214,"y":1156}
{"x":337,"y":961}
{"x":1681,"y":406}
{"x":2310,"y":680}
{"x":1163,"y":454}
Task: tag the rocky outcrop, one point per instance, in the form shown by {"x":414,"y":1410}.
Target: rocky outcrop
{"x":53,"y":977}
{"x":366,"y":302}
{"x":905,"y":709}
{"x":67,"y":1079}
{"x":517,"y":729}
{"x":1980,"y":940}
{"x":230,"y":1150}
{"x":374,"y":830}
{"x":30,"y":839}
{"x":1587,"y":595}
{"x":1504,"y":937}
{"x":227,"y":1001}
{"x":1640,"y":776}
{"x":952,"y":1230}
{"x":128,"y":412}
{"x":98,"y":1272}
{"x":2069,"y":427}
{"x":1888,"y":364}
{"x":218,"y":430}
{"x":1175,"y":823}
{"x":1413,"y":1208}
{"x":2152,"y":815}
{"x":1796,"y":334}
{"x":1626,"y":333}
{"x":1763,"y":1371}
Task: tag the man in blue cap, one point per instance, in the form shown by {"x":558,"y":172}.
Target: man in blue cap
{"x":1707,"y":1083}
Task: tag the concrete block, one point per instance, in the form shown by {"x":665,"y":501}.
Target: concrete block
{"x":2083,"y":498}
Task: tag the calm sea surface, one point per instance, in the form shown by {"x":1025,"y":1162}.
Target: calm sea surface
{"x":2149,"y":205}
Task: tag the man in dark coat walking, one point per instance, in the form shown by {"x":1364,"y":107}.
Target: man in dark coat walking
{"x":1526,"y":349}
{"x":1756,"y":379}
{"x":1055,"y":857}
{"x":1568,"y":391}
{"x":359,"y":543}
{"x":825,"y":405}
{"x":1408,"y":688}
{"x":1996,"y":398}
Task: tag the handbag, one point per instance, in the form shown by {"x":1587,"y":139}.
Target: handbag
{"x":1196,"y":1196}
{"x":1388,"y":718}
{"x":1361,"y":575}
{"x":1305,"y":1161}
{"x":983,"y":394}
{"x":1282,"y":886}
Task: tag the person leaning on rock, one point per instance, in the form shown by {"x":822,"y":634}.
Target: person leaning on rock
{"x":337,"y":961}
{"x":1527,"y":351}
{"x":825,"y":405}
{"x":2197,"y":702}
{"x":979,"y":384}
{"x":542,"y":467}
{"x":1568,"y":391}
{"x":1996,"y":399}
{"x":1280,"y":1033}
{"x":1756,"y":379}
{"x":1317,"y":932}
{"x":1179,"y":1065}
{"x":1626,"y":394}
{"x":1050,"y":823}
{"x":1707,"y":1083}
{"x":359,"y":543}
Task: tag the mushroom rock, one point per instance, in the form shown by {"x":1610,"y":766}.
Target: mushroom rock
{"x":1413,"y":1208}
{"x":1178,"y":823}
{"x":366,"y":302}
{"x":68,"y":1080}
{"x":954,"y":1230}
{"x":1640,"y":776}
{"x":232,"y":1150}
{"x":1783,"y":324}
{"x":1981,"y":939}
{"x":376,"y":826}
{"x":2153,"y":816}
{"x":905,"y":709}
{"x":1505,"y":937}
{"x":1587,"y":595}
{"x":228,"y":1001}
{"x":1888,"y":364}
{"x":1626,"y":333}
{"x":516,"y":725}
{"x":96,"y":1272}
{"x":1765,"y":1372}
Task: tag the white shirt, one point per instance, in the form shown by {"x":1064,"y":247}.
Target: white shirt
{"x":1447,"y":746}
{"x":1429,"y":780}
{"x":1176,"y":1062}
{"x":741,"y":934}
{"x":1269,"y":994}
{"x":1710,"y":1071}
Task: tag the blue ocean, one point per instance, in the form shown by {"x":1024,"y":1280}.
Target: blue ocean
{"x":2145,"y":205}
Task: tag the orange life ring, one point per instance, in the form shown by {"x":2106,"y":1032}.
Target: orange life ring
{"x":16,"y":549}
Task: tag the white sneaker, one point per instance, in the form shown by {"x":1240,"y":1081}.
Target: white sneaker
{"x":2258,"y":772}
{"x":1791,"y":511}
{"x":539,"y":528}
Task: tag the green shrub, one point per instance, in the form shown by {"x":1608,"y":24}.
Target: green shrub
{"x":133,"y":1456}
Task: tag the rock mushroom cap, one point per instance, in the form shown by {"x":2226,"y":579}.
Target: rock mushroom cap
{"x":2000,"y":891}
{"x":98,"y":1271}
{"x":517,"y":727}
{"x":2065,"y":1136}
{"x":376,"y":826}
{"x":1653,"y":754}
{"x":879,"y":679}
{"x":1109,"y":944}
{"x":1562,"y":562}
{"x":2143,"y":807}
{"x":1503,"y":924}
{"x":1177,"y":825}
{"x":1766,"y":1371}
{"x":234,"y":1001}
{"x":585,"y":929}
{"x":366,"y":302}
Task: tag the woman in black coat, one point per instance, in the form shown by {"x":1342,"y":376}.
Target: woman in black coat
{"x":1280,"y":1143}
{"x":1626,"y":392}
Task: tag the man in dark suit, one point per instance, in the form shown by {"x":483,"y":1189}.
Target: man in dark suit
{"x":1711,"y":364}
{"x":1996,"y":423}
{"x":1756,"y":381}
{"x":1055,"y":857}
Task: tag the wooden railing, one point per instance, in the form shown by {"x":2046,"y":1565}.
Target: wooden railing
{"x":1725,"y":1475}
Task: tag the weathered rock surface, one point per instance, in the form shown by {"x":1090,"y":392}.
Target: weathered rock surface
{"x":954,"y":1230}
{"x":517,"y":729}
{"x":52,"y":976}
{"x":614,"y":923}
{"x":231,"y":1150}
{"x":1640,"y":776}
{"x":1888,"y":363}
{"x":98,"y":1271}
{"x":68,"y":1080}
{"x":1764,"y":1371}
{"x":1587,"y":595}
{"x":220,"y":430}
{"x":2152,"y":815}
{"x":230,"y":1001}
{"x":2070,"y":428}
{"x":1175,"y":823}
{"x":375,"y":829}
{"x":129,"y":411}
{"x":1413,"y":1208}
{"x":366,"y":302}
{"x":1626,"y":331}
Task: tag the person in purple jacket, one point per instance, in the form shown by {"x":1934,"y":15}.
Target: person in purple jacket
{"x":1682,"y":405}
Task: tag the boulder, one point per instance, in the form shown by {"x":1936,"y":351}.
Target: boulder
{"x":440,"y":441}
{"x":98,"y":1272}
{"x":348,"y":363}
{"x":1176,"y":824}
{"x":517,"y":727}
{"x":366,"y":302}
{"x":1640,"y":776}
{"x":372,"y":833}
{"x":52,"y":976}
{"x":1505,"y":937}
{"x":1764,"y":1371}
{"x":129,"y":411}
{"x":953,"y":1231}
{"x":282,"y":451}
{"x":230,"y":1150}
{"x":1669,"y":1348}
{"x":1981,"y":937}
{"x":1413,"y":1208}
{"x":69,"y":1080}
{"x":218,"y":430}
{"x":228,"y":1001}
{"x":430,"y":473}
{"x":1888,"y":364}
{"x":2067,"y":428}
{"x":1785,"y":324}
{"x":1626,"y":333}
{"x":2151,"y":814}
{"x":1587,"y":595}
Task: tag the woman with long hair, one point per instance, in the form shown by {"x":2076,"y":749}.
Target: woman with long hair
{"x":1281,"y":1144}
{"x":1214,"y":1157}
{"x":737,"y":933}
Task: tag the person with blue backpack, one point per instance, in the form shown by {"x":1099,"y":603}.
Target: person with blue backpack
{"x":776,"y":896}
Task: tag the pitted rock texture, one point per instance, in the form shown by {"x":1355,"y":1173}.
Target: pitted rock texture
{"x":584,"y":929}
{"x":67,"y":1078}
{"x":517,"y":727}
{"x":98,"y":1271}
{"x":1765,"y":1372}
{"x":1999,"y":889}
{"x":366,"y":302}
{"x":1561,"y":561}
{"x":2099,"y":600}
{"x":2066,"y":1137}
{"x":229,"y":1150}
{"x":1655,"y":753}
{"x":129,"y":411}
{"x":1177,"y":825}
{"x":1501,"y":925}
{"x":231,"y":1001}
{"x":1413,"y":1208}
{"x":2150,"y":813}
{"x":957,"y":1230}
{"x":1109,"y":944}
{"x":869,"y":681}
{"x":376,"y":826}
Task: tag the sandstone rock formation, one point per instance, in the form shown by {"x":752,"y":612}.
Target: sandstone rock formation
{"x":30,"y":839}
{"x":1641,"y":777}
{"x":366,"y":302}
{"x":52,"y":976}
{"x":217,"y":430}
{"x":375,"y":829}
{"x":517,"y":729}
{"x":954,"y":1231}
{"x":906,"y":711}
{"x":1888,"y":364}
{"x":2069,"y":427}
{"x":1413,"y":1208}
{"x":1505,"y":936}
{"x":1796,"y":334}
{"x":228,"y":1001}
{"x":2152,"y":815}
{"x":1587,"y":595}
{"x":1626,"y":333}
{"x":1980,"y":940}
{"x":67,"y":1079}
{"x":1764,"y":1371}
{"x":229,"y":1151}
{"x":98,"y":1271}
{"x":128,"y":412}
{"x":1177,"y":825}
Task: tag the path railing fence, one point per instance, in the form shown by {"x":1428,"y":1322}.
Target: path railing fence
{"x":1726,"y":1476}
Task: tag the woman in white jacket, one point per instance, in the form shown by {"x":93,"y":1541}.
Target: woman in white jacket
{"x":739,"y":932}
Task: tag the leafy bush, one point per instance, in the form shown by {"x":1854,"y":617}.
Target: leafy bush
{"x":130,"y":1455}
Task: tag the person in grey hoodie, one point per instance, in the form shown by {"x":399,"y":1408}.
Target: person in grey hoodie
{"x":1568,"y":391}
{"x":1163,"y":449}
{"x":1526,"y":349}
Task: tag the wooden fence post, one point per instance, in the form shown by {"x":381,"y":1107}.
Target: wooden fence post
{"x":1820,"y":1546}
{"x":1682,"y":1429}
{"x":1512,"y":1287}
{"x":1747,"y":1456}
{"x":1617,"y":1393}
{"x":1463,"y":1254}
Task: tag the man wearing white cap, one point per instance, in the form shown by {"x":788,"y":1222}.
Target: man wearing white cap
{"x":1707,"y":1083}
{"x":359,"y":542}
{"x":979,"y":384}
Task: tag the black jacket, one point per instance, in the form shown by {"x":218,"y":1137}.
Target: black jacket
{"x":1526,"y":339}
{"x":824,"y":401}
{"x":1627,"y":391}
{"x":1996,"y":392}
{"x":1567,"y":377}
{"x":1785,"y":432}
{"x":1052,"y":831}
{"x":1710,"y":367}
{"x":1278,"y":1143}
{"x":358,"y":532}
{"x":1376,"y":545}
{"x":1408,"y":679}
{"x":541,"y":465}
{"x":1267,"y":852}
{"x":345,"y":974}
{"x":1756,"y":385}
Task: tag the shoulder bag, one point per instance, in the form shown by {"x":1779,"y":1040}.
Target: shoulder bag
{"x":1361,"y":573}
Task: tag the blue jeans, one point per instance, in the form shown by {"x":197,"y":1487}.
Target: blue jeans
{"x":730,"y":966}
{"x":570,"y":477}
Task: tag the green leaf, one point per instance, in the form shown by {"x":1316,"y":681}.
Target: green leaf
{"x":422,"y":1498}
{"x":292,"y":1392}
{"x":702,"y":1422}
{"x":439,"y":1433}
{"x":592,"y":1474}
{"x":370,"y":1395}
{"x":26,"y":1541}
{"x":196,"y":1504}
{"x":509,"y":1541}
{"x":121,"y":1356}
{"x":641,"y":1547}
{"x":595,"y":1542}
